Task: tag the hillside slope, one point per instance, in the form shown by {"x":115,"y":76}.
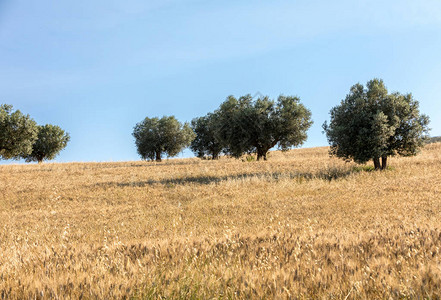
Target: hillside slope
{"x":298,"y":225}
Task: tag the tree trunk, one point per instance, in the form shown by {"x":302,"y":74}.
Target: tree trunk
{"x":384,"y":163}
{"x":261,"y":154}
{"x":158,"y":156}
{"x":214,"y":156}
{"x":40,"y":161}
{"x":377,"y":165}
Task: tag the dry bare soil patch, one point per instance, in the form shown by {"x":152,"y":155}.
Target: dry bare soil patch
{"x":301,"y":225}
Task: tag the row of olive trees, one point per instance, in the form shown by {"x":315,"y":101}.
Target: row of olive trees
{"x":21,"y":137}
{"x":369,"y":124}
{"x":244,"y":126}
{"x":239,"y":126}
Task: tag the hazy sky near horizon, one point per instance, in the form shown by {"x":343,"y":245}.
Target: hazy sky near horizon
{"x":96,"y":68}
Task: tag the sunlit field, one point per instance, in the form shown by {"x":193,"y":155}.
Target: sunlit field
{"x":300,"y":225}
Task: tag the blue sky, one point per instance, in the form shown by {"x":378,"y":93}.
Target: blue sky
{"x":96,"y":68}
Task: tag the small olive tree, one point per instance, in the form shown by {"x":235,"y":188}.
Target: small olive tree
{"x":255,"y":126}
{"x":154,"y":137}
{"x":17,"y":133}
{"x":50,"y":141}
{"x":206,"y":143}
{"x":370,"y":124}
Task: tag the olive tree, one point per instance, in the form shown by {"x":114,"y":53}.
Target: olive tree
{"x":255,"y":126}
{"x":154,"y":137}
{"x":371,"y":124}
{"x":17,"y":133}
{"x":206,"y":143}
{"x":51,"y":139}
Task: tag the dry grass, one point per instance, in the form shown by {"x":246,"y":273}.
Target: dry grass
{"x":300,"y":225}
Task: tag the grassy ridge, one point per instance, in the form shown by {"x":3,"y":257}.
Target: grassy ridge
{"x":300,"y":225}
{"x":435,"y":139}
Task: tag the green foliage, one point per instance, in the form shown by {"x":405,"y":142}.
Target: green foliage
{"x":371,"y":124}
{"x":249,"y":158}
{"x":154,"y":136}
{"x":50,"y":141}
{"x":367,"y":168}
{"x":17,"y":133}
{"x":205,"y":143}
{"x":247,"y":126}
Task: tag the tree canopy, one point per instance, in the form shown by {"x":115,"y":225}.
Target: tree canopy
{"x":17,"y":133}
{"x":206,"y":143}
{"x":370,"y":124}
{"x":154,"y":137}
{"x":51,"y":139}
{"x":255,"y":126}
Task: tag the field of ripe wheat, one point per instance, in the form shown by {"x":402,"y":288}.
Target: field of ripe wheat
{"x":300,"y":225}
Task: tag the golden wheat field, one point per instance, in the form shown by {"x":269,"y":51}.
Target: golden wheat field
{"x":300,"y":225}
